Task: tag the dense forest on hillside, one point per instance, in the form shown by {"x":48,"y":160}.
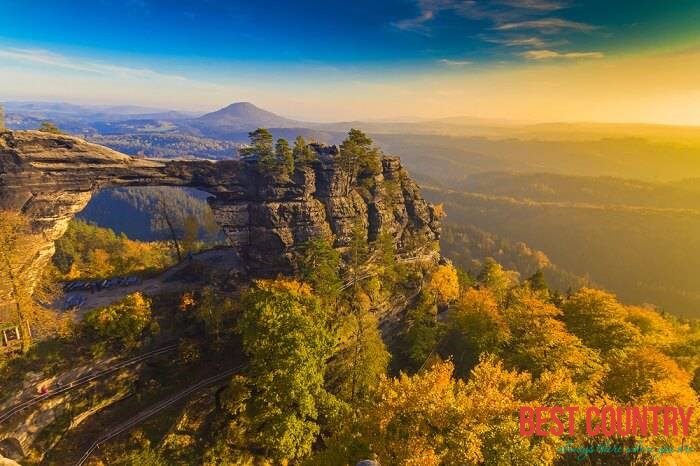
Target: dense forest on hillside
{"x":139,"y":212}
{"x":646,"y":251}
{"x":321,"y":386}
{"x":469,"y":247}
{"x":592,"y":190}
{"x":168,"y":145}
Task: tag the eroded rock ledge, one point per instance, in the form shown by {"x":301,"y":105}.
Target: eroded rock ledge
{"x":265,"y":216}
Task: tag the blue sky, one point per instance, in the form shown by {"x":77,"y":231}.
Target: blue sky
{"x":266,"y":50}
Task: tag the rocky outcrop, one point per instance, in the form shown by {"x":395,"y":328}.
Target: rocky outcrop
{"x":265,"y":216}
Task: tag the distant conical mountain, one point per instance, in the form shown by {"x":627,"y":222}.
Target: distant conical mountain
{"x":243,"y":116}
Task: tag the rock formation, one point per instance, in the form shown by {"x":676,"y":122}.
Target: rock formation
{"x":265,"y":216}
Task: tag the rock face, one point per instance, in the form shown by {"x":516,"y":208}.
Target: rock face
{"x":271,"y":215}
{"x":265,"y":216}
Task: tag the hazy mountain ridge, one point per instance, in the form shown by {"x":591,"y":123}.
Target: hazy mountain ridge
{"x":245,"y":116}
{"x":241,"y":115}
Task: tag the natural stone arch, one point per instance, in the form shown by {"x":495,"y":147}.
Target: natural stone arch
{"x":50,"y":178}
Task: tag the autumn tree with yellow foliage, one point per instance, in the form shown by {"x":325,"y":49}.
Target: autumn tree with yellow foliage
{"x":18,"y":287}
{"x":433,"y":418}
{"x":598,"y":319}
{"x":124,"y":321}
{"x":475,"y":326}
{"x":443,"y":284}
{"x":87,"y":251}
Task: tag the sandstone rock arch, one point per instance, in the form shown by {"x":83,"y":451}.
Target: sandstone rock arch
{"x":50,"y":178}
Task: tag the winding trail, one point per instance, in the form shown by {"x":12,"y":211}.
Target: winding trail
{"x":154,"y":409}
{"x":8,"y":413}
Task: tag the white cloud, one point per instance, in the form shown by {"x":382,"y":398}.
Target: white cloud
{"x":516,"y":41}
{"x":415,"y":24}
{"x":530,"y":41}
{"x":550,"y":54}
{"x":541,"y":5}
{"x":546,"y":25}
{"x":449,"y":62}
{"x":46,"y":58}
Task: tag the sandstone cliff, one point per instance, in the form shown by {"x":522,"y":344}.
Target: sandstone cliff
{"x":265,"y":216}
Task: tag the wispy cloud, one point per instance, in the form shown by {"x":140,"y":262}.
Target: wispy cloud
{"x":47,"y":58}
{"x":542,"y":5}
{"x":546,"y":25}
{"x":516,"y":41}
{"x":496,"y":11}
{"x":552,"y":54}
{"x":417,"y":24}
{"x":448,"y":62}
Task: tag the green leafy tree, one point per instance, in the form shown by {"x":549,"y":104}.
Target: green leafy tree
{"x":361,"y":357}
{"x":261,"y":147}
{"x":319,"y":266}
{"x":466,"y":281}
{"x":138,"y":451}
{"x":212,"y":310}
{"x":284,"y":156}
{"x":540,"y":342}
{"x":49,"y":127}
{"x":303,"y":153}
{"x":443,"y":284}
{"x":285,"y":333}
{"x":143,"y":457}
{"x":231,"y":431}
{"x":421,"y":333}
{"x":493,"y":277}
{"x":432,"y":419}
{"x":537,"y":281}
{"x":392,"y":271}
{"x":358,"y":156}
{"x":89,"y":251}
